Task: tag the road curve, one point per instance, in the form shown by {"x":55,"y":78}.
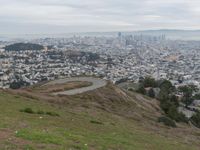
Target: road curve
{"x":96,"y":83}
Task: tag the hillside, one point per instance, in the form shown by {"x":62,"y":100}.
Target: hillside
{"x":107,"y":118}
{"x":23,"y":46}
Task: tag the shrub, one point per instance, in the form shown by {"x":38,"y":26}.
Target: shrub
{"x":166,"y":86}
{"x":149,"y":82}
{"x":16,"y":85}
{"x":131,"y":89}
{"x":182,"y":118}
{"x":52,"y":114}
{"x":173,"y":114}
{"x":195,"y":119}
{"x":187,"y":93}
{"x":40,"y":112}
{"x":196,"y":96}
{"x":28,"y":110}
{"x":165,"y":106}
{"x":167,"y":121}
{"x":95,"y":122}
{"x":141,"y":90}
{"x":174,"y":100}
{"x":151,"y":93}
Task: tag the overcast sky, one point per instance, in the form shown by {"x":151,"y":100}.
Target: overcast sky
{"x":63,"y":16}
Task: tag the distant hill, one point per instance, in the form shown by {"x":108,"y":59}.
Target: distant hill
{"x":173,"y":34}
{"x":23,"y":46}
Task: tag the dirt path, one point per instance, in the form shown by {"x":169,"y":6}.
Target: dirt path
{"x":96,"y":83}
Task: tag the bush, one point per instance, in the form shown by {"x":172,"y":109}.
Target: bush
{"x":163,"y":95}
{"x":141,"y":90}
{"x":15,"y":85}
{"x":167,"y":121}
{"x":187,"y":93}
{"x":151,"y":93}
{"x":40,"y":112}
{"x":196,"y":96}
{"x":172,"y":112}
{"x":166,"y":86}
{"x":149,"y":82}
{"x":165,"y":106}
{"x":182,"y":118}
{"x":52,"y":114}
{"x":175,"y":115}
{"x":95,"y":122}
{"x":195,"y":119}
{"x":174,"y":100}
{"x":28,"y":110}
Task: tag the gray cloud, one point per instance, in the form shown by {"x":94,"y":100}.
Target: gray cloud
{"x":42,"y":16}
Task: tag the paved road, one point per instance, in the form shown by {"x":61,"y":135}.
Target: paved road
{"x":96,"y":83}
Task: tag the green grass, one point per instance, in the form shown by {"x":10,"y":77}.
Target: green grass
{"x":78,"y":130}
{"x":42,"y":136}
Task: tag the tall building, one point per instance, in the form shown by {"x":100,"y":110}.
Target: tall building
{"x":119,"y":35}
{"x":120,"y":38}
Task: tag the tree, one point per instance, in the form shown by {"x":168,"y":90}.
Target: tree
{"x":187,"y":101}
{"x":197,"y":96}
{"x":151,"y":93}
{"x":149,"y":82}
{"x":172,"y":112}
{"x":163,"y":95}
{"x":15,"y":85}
{"x":187,"y":94}
{"x":166,"y":86}
{"x":18,"y":84}
{"x":23,"y":46}
{"x":169,"y":102}
{"x":141,"y":90}
{"x":174,"y":100}
{"x":165,"y":106}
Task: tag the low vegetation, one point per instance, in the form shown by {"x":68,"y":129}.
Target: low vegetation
{"x":27,"y":110}
{"x":30,"y":111}
{"x":167,"y":96}
{"x":23,"y":46}
{"x":196,"y":119}
{"x":167,"y":121}
{"x":95,"y":122}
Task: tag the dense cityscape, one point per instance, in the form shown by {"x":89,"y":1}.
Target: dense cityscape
{"x":119,"y":58}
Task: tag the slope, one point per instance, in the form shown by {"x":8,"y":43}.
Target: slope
{"x":107,"y":118}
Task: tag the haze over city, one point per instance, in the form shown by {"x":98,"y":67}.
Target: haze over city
{"x":58,"y":16}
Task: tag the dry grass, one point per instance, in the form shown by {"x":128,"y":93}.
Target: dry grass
{"x":129,"y":115}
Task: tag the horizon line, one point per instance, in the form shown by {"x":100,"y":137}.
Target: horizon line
{"x":84,"y":32}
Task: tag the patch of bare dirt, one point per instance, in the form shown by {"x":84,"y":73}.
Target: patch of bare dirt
{"x":9,"y":136}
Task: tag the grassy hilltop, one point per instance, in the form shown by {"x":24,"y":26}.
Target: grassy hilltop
{"x":104,"y":119}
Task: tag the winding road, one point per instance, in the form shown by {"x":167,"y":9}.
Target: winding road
{"x":96,"y":83}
